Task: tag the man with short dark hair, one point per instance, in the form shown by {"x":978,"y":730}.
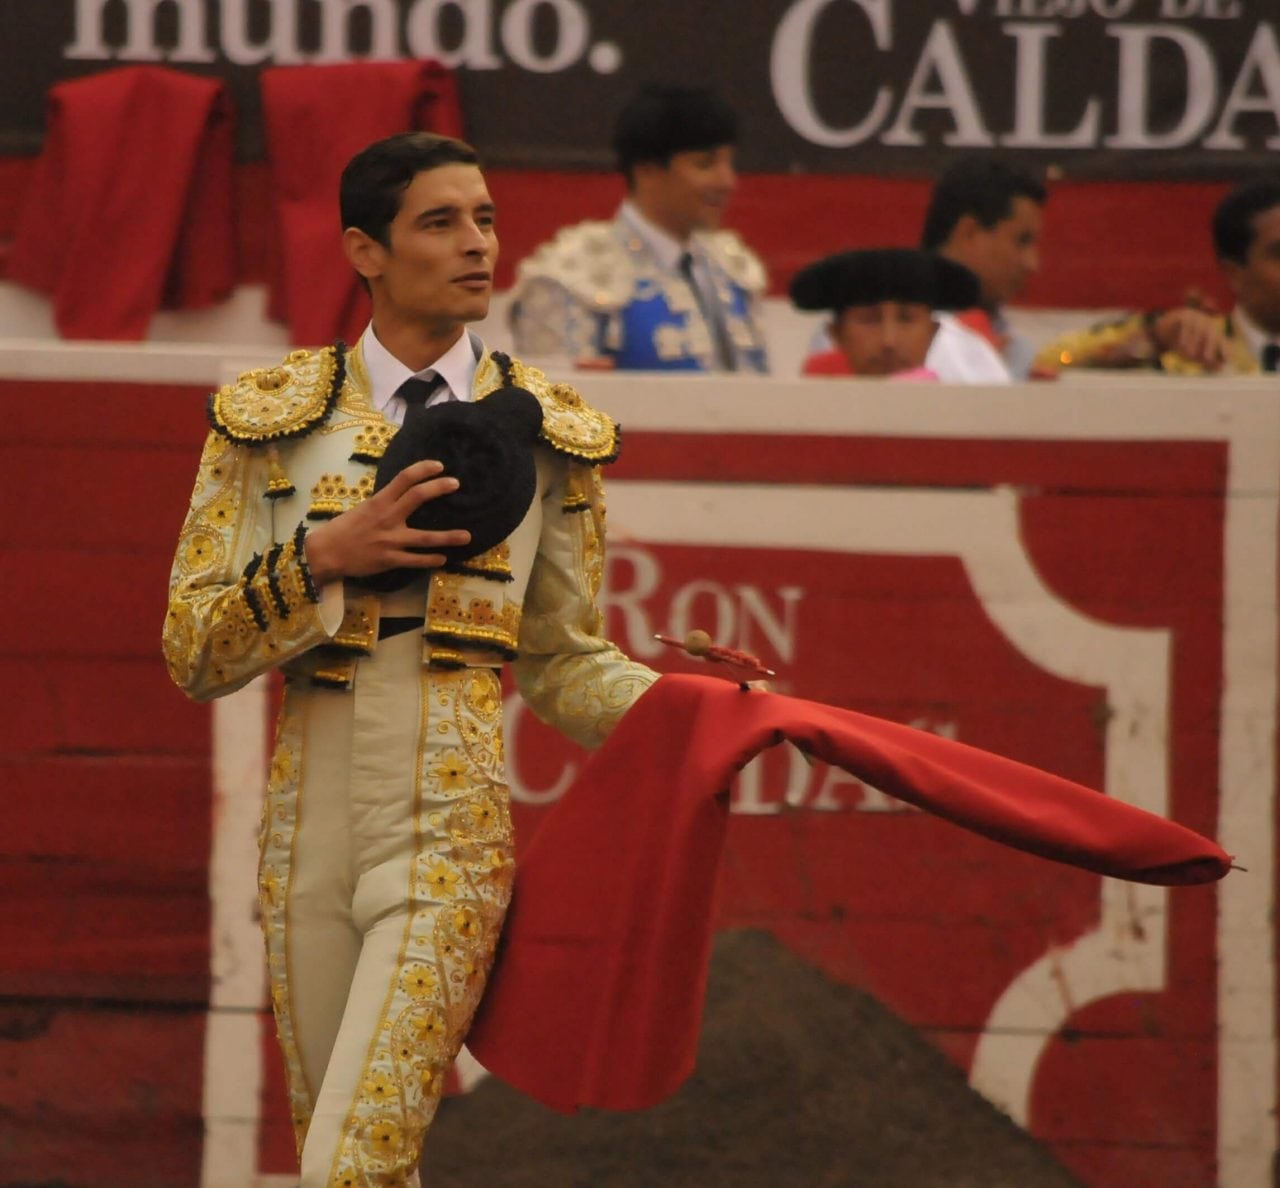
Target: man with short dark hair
{"x":388,"y":525}
{"x":1246,"y":239}
{"x":987,"y":215}
{"x":661,"y":287}
{"x":1189,"y":341}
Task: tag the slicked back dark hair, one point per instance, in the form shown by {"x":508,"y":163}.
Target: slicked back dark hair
{"x":375,"y":179}
{"x":660,"y":121}
{"x":1233,"y":229}
{"x":979,"y":186}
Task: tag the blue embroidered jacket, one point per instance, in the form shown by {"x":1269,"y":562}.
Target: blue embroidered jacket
{"x":597,"y":290}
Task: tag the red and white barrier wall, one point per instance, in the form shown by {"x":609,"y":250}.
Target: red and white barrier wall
{"x":1082,"y":576}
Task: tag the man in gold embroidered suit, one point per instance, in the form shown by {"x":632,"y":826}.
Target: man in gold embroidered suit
{"x":386,"y":859}
{"x":1189,"y":341}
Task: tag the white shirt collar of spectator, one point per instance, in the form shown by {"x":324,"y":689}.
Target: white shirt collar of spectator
{"x":665,"y":248}
{"x":1254,"y":335}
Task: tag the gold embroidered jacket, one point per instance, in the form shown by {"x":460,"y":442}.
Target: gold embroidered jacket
{"x":299,"y":443}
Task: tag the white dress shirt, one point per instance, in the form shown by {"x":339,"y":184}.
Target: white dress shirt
{"x":386,"y":373}
{"x":665,"y":248}
{"x":1253,"y":334}
{"x":962,"y":356}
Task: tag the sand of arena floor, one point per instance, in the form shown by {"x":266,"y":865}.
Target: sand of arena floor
{"x":800,"y":1082}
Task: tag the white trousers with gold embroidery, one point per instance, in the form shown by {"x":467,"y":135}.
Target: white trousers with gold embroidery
{"x":386,"y":870}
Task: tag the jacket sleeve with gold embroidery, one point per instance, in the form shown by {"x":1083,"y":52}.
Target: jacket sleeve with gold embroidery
{"x":239,"y":603}
{"x":570,"y":675}
{"x":241,"y":600}
{"x":1128,"y":343}
{"x":1121,"y":343}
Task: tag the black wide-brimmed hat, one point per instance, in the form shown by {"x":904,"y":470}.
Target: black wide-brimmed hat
{"x":873,"y":275}
{"x":487,"y":445}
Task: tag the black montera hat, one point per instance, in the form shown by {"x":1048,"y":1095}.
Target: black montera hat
{"x":662,"y":120}
{"x":884,"y":274}
{"x":487,"y":445}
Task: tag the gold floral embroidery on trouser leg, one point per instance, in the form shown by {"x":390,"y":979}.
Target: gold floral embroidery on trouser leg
{"x":280,"y":813}
{"x":459,"y":888}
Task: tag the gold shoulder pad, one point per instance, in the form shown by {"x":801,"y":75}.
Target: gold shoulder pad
{"x":589,"y":260}
{"x":744,"y":267}
{"x":274,"y":403}
{"x":570,"y":426}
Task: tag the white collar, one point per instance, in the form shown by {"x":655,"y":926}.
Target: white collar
{"x":664,"y":246}
{"x":386,"y":373}
{"x":1253,"y":334}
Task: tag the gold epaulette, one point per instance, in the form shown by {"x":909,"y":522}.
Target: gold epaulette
{"x":286,"y":401}
{"x":744,"y":267}
{"x":589,"y":260}
{"x":570,"y":426}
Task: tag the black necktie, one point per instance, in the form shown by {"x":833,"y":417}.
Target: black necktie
{"x":1271,"y":357}
{"x":416,"y":391}
{"x":711,"y":314}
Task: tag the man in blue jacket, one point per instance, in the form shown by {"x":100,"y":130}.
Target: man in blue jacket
{"x":660,"y":287}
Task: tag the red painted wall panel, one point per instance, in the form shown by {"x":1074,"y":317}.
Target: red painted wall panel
{"x":1153,"y":236}
{"x":101,"y":1095}
{"x":105,"y":811}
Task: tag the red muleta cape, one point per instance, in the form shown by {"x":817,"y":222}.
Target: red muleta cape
{"x":129,"y":204}
{"x":596,"y":996}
